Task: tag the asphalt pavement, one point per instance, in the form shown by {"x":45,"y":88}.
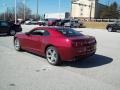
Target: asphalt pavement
{"x":26,"y":71}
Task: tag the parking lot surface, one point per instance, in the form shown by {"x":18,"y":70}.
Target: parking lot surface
{"x":26,"y":71}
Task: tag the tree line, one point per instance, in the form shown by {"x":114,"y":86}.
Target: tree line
{"x":111,"y":12}
{"x":23,"y":12}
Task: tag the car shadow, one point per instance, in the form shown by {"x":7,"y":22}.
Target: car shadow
{"x":93,"y":61}
{"x":4,"y":35}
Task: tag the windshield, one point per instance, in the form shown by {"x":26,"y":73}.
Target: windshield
{"x":69,"y":32}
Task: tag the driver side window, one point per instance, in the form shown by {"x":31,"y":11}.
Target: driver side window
{"x":39,"y":32}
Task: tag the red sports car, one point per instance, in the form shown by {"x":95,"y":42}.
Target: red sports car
{"x":56,"y":43}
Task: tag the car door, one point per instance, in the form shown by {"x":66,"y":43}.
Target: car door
{"x":37,"y":40}
{"x":4,"y":27}
{"x":26,"y":41}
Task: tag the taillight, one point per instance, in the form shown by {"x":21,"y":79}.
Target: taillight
{"x":81,"y":43}
{"x":77,"y":44}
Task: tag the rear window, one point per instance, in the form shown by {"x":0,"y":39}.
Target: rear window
{"x":68,"y":32}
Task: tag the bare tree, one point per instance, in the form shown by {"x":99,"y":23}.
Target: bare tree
{"x":8,"y":14}
{"x":22,"y":10}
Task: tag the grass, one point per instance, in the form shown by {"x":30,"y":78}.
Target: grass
{"x":97,"y":25}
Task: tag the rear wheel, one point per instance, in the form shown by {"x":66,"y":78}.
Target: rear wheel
{"x":52,"y":56}
{"x":12,"y":32}
{"x":17,"y":44}
{"x":110,"y":29}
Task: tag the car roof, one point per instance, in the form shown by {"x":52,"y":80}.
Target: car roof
{"x":50,"y":27}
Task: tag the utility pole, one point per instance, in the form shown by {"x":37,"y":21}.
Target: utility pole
{"x":37,"y":9}
{"x":7,"y":14}
{"x":71,"y":8}
{"x":4,"y":5}
{"x":91,"y":6}
{"x":15,"y":13}
{"x":91,"y":10}
{"x":24,"y":9}
{"x":59,"y":8}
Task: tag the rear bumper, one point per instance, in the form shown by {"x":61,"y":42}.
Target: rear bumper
{"x":69,"y":54}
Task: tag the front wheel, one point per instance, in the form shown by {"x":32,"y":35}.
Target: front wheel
{"x":110,"y":29}
{"x":17,"y":44}
{"x":52,"y":56}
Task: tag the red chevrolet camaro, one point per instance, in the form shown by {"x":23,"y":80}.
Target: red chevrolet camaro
{"x":56,"y":43}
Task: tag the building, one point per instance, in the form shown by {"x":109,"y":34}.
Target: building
{"x":86,"y":9}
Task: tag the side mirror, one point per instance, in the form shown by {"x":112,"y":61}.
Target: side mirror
{"x":27,"y":33}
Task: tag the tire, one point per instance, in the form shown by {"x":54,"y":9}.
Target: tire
{"x":12,"y":32}
{"x":17,"y":44}
{"x":52,"y":56}
{"x":110,"y":29}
